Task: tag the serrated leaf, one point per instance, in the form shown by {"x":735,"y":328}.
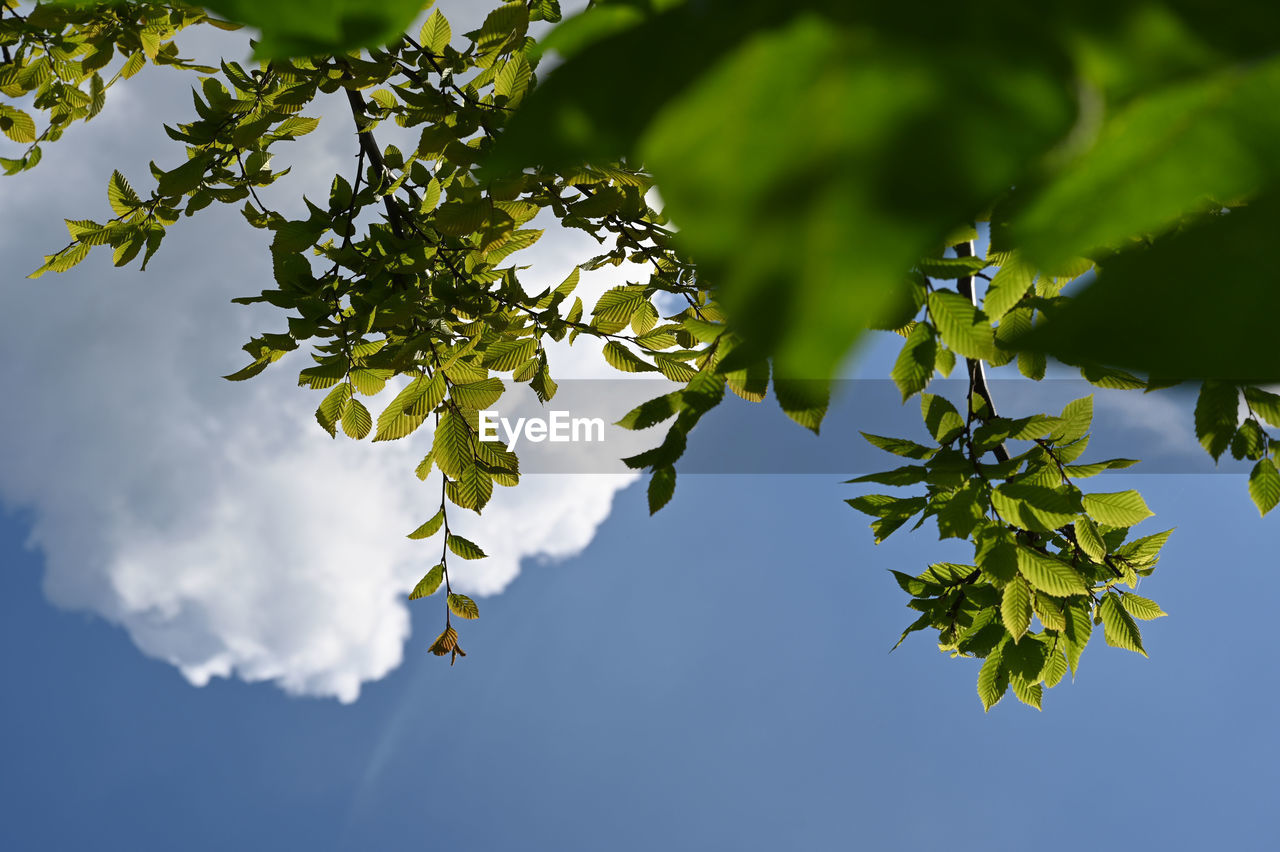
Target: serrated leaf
{"x":435,"y":33}
{"x":356,"y":420}
{"x":621,"y":358}
{"x":906,"y":475}
{"x":900,"y":446}
{"x":614,"y":309}
{"x":445,"y":643}
{"x":1264,"y":403}
{"x":1140,"y":607}
{"x":1049,"y":574}
{"x":1143,"y":549}
{"x":1015,"y":608}
{"x":1035,"y":507}
{"x":1217,"y":415}
{"x":1049,"y":610}
{"x":428,"y":585}
{"x":1055,"y":669}
{"x":1089,"y":539}
{"x":120,"y":194}
{"x":368,"y":380}
{"x":1264,"y":485}
{"x":1007,"y":288}
{"x":662,"y":485}
{"x":464,"y":548}
{"x":1027,"y":692}
{"x":993,"y":681}
{"x":962,"y":327}
{"x":804,"y":401}
{"x":333,"y":408}
{"x":463,"y":606}
{"x":652,"y":412}
{"x":915,"y":365}
{"x":1119,"y":628}
{"x":1117,"y":509}
{"x":941,"y":418}
{"x":1076,"y":635}
{"x":430,"y":527}
{"x":452,"y":444}
{"x":477,"y":395}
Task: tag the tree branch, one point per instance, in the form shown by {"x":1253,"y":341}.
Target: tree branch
{"x":977,"y":369}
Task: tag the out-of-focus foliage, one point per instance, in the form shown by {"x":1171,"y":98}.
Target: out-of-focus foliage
{"x":824,"y":169}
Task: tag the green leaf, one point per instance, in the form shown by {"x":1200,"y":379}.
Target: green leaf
{"x":307,"y":28}
{"x":1049,"y":574}
{"x":1117,"y":509}
{"x":463,"y":607}
{"x":427,"y":585}
{"x":1145,"y":549}
{"x":1264,"y":403}
{"x":1264,"y":485}
{"x":1150,"y":309}
{"x":1217,"y":416}
{"x":1007,"y":288}
{"x":930,"y":129}
{"x":333,"y":408}
{"x":962,"y":327}
{"x":900,"y":446}
{"x":804,"y":401}
{"x":993,"y":680}
{"x":1026,"y":691}
{"x":916,"y":362}
{"x":451,"y":447}
{"x":17,"y":125}
{"x":464,"y":548}
{"x":1075,"y":420}
{"x":1035,"y":507}
{"x":1120,"y":629}
{"x":431,"y":527}
{"x":1140,"y":607}
{"x":435,"y":33}
{"x":662,"y":485}
{"x":478,"y":395}
{"x":1089,"y":539}
{"x":906,"y":475}
{"x":621,"y":358}
{"x":960,"y":511}
{"x":996,"y":553}
{"x":652,"y":412}
{"x":121,"y":195}
{"x":614,"y":309}
{"x":1076,"y":635}
{"x":186,"y":177}
{"x":1155,"y":160}
{"x":941,"y":418}
{"x":1055,"y":669}
{"x":356,"y":420}
{"x":1015,"y":608}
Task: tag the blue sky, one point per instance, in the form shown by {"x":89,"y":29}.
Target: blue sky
{"x":713,"y":677}
{"x":732,"y":692}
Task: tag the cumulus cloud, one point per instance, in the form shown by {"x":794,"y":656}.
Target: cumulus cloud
{"x":215,"y":522}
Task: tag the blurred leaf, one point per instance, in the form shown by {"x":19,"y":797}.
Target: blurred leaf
{"x":1164,"y":156}
{"x":310,"y":28}
{"x":1169,"y":310}
{"x":811,"y":166}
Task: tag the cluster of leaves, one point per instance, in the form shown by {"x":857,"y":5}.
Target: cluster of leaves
{"x":57,"y":58}
{"x":405,"y":272}
{"x":827,"y":164}
{"x":1042,"y":548}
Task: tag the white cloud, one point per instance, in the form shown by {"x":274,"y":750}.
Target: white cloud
{"x":213,"y":521}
